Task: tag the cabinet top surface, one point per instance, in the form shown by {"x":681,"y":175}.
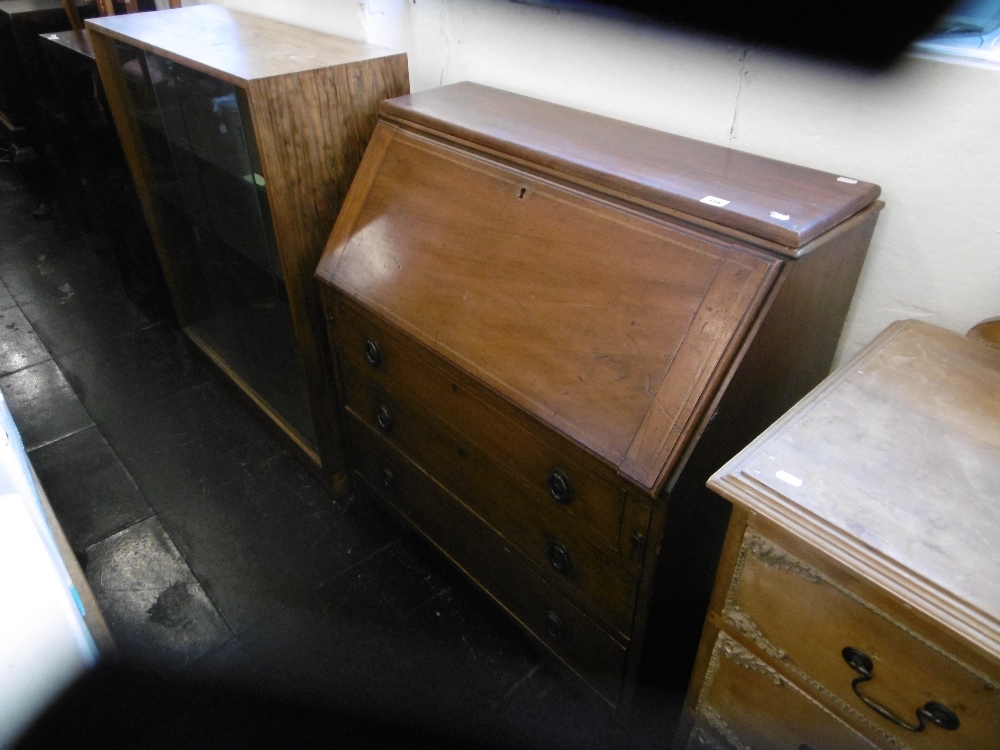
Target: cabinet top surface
{"x":772,"y":200}
{"x":892,"y":465}
{"x":238,"y":46}
{"x":610,"y":327}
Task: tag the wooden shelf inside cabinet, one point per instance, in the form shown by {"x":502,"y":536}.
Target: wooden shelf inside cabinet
{"x":243,"y":135}
{"x":551,"y":326}
{"x":860,"y":568}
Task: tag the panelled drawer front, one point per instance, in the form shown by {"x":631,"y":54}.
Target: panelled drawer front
{"x":594,"y":508}
{"x":565,"y":630}
{"x":806,"y":620}
{"x":746,"y":703}
{"x":606,"y":585}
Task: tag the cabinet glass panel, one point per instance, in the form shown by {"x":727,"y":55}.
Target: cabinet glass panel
{"x":211,"y":200}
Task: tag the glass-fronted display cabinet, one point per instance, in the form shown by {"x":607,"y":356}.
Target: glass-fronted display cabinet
{"x":243,"y":135}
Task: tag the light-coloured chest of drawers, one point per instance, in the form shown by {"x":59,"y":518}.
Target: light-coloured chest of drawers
{"x":537,"y":313}
{"x":858,"y":601}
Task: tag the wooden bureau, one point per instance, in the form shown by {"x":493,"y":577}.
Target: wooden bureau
{"x":551,"y":326}
{"x":860,"y":585}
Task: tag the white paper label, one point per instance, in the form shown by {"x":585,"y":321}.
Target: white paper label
{"x":779,"y":217}
{"x":784,"y":476}
{"x":848,"y":180}
{"x":713,"y":201}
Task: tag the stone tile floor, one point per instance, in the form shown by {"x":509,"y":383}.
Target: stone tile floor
{"x":228,"y":576}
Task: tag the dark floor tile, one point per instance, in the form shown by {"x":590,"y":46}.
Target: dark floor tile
{"x":156,"y":609}
{"x":93,"y":315}
{"x":92,"y":493}
{"x":43,"y":404}
{"x":189,"y":443}
{"x":44,"y":262}
{"x":125,"y":376}
{"x":263,"y":540}
{"x":400,"y":637}
{"x":20,"y":346}
{"x":6,"y":299}
{"x":547,"y":712}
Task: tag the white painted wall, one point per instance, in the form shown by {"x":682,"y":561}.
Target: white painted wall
{"x":928,"y":131}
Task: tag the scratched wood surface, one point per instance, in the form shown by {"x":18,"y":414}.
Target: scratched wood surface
{"x":312,"y":129}
{"x":895,"y":464}
{"x":237,"y":47}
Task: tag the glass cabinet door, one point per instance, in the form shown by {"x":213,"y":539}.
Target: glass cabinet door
{"x":211,"y":201}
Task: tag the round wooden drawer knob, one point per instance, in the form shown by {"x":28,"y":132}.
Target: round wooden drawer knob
{"x":560,"y":487}
{"x":559,"y":557}
{"x":554,"y":626}
{"x":373,"y":353}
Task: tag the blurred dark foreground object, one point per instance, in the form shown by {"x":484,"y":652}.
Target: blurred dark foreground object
{"x":863,"y":32}
{"x":118,"y":706}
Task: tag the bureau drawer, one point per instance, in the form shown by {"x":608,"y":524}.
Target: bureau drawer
{"x":805,"y":619}
{"x":595,"y":655}
{"x":746,"y":703}
{"x":594,"y":503}
{"x":599,"y":578}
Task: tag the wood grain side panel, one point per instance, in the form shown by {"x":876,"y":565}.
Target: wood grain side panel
{"x":312,"y":130}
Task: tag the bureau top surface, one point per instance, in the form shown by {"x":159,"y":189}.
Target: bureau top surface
{"x":236,"y":46}
{"x":764,"y":198}
{"x":892,"y":465}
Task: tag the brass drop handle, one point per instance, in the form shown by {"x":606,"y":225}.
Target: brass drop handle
{"x":560,"y":487}
{"x":932,"y":711}
{"x":373,"y":353}
{"x":384,"y":418}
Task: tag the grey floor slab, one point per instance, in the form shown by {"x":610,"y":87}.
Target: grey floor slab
{"x":43,"y":404}
{"x":90,"y":490}
{"x":20,"y":345}
{"x":155,"y":607}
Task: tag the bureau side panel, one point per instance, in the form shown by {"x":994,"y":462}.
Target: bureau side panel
{"x":788,"y":353}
